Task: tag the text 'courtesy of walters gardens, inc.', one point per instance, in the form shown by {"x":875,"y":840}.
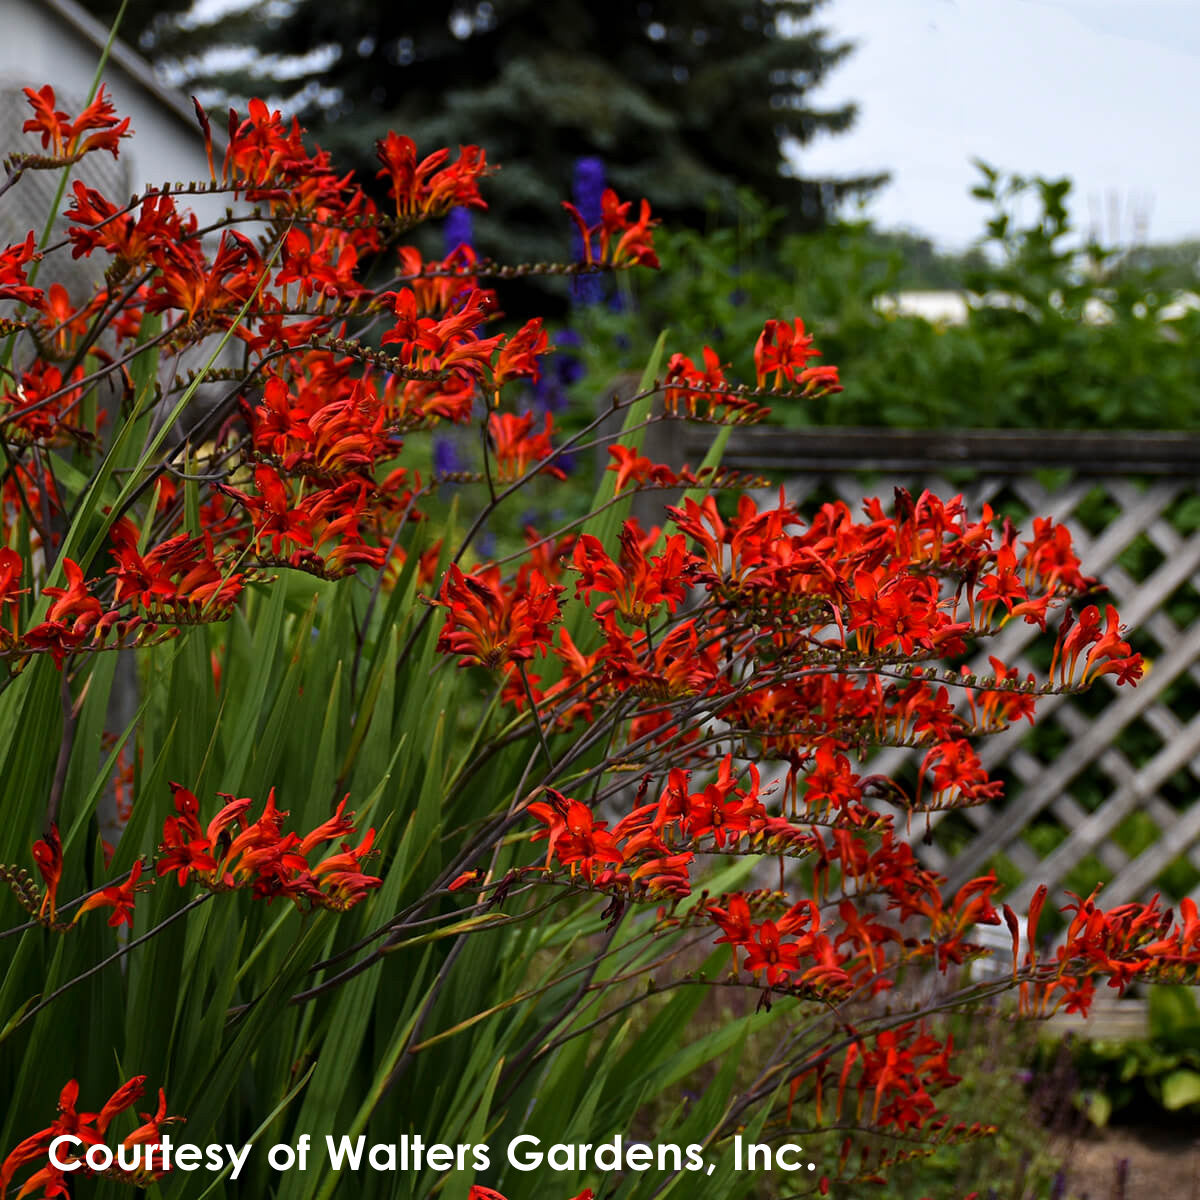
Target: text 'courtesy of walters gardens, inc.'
{"x":412,"y":1153}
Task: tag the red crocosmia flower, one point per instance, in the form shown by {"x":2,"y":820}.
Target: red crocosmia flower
{"x":206,"y":290}
{"x":275,"y":519}
{"x":35,"y":1147}
{"x":957,"y":771}
{"x":149,"y":1132}
{"x":667,"y":875}
{"x":830,"y":782}
{"x":184,"y":848}
{"x":517,"y":448}
{"x":342,"y":883}
{"x":615,"y":240}
{"x":520,"y":356}
{"x":47,"y":854}
{"x":492,"y":626}
{"x":151,"y":233}
{"x":736,"y":922}
{"x":339,"y":825}
{"x":1110,"y":655}
{"x":13,"y":282}
{"x":706,"y":394}
{"x":635,"y":247}
{"x":584,"y":841}
{"x":321,"y":264}
{"x":1050,"y":558}
{"x":179,"y":577}
{"x":118,"y":896}
{"x":554,"y":816}
{"x":1003,"y":586}
{"x":63,"y":322}
{"x":436,"y":285}
{"x":779,"y":959}
{"x":781,"y":355}
{"x":11,"y":569}
{"x":638,"y":587}
{"x":632,"y":467}
{"x":232,"y":813}
{"x":64,"y":137}
{"x":74,"y":602}
{"x":430,"y":188}
{"x":235,"y":852}
{"x":126,"y":1096}
{"x":44,"y":406}
{"x":89,"y":1129}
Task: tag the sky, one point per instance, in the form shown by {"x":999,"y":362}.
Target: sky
{"x":1104,"y":91}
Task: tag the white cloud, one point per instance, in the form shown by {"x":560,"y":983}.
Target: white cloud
{"x":1103,"y":92}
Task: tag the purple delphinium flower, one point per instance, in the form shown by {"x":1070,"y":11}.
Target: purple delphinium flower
{"x":547,"y":395}
{"x":568,"y":367}
{"x":559,"y":371}
{"x":587,"y":191}
{"x":459,"y":230}
{"x":446,"y":457}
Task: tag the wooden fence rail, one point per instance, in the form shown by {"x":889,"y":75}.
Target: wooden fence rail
{"x":1108,"y":785}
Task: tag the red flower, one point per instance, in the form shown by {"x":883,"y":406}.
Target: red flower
{"x":632,"y":467}
{"x":706,"y":393}
{"x":64,"y":137}
{"x":89,"y":1129}
{"x":234,"y":852}
{"x":430,"y":188}
{"x":576,"y":838}
{"x":13,"y":282}
{"x":638,"y":587}
{"x":118,"y":896}
{"x":779,"y":959}
{"x":517,"y":447}
{"x":491,"y":625}
{"x":519,"y":357}
{"x":621,"y":242}
{"x":47,"y":854}
{"x":781,"y":355}
{"x":11,"y":569}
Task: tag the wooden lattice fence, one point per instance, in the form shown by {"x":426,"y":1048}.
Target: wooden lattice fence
{"x":1108,"y":784}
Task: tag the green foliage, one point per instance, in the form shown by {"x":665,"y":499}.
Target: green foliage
{"x":371,"y":1055}
{"x":1029,"y":355}
{"x":1159,"y":1072}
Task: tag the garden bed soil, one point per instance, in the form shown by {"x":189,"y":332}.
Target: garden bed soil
{"x":1163,"y":1162}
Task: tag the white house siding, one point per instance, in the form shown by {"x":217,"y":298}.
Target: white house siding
{"x":950,"y":307}
{"x":41,"y":41}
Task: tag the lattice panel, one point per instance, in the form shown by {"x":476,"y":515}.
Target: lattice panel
{"x":1108,"y":784}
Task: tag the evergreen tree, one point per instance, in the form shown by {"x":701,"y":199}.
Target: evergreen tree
{"x":682,"y":101}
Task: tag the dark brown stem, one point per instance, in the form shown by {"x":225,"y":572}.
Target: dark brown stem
{"x":112,"y":958}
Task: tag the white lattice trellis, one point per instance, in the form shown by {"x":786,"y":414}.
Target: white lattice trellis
{"x":1094,"y":743}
